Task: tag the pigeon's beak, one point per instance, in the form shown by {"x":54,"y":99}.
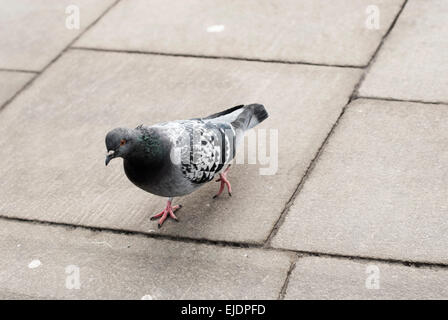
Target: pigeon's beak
{"x":110,"y":156}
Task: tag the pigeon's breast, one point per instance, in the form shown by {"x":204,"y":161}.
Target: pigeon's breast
{"x":164,"y":181}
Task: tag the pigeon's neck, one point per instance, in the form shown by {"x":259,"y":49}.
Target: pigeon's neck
{"x":148,"y":161}
{"x":149,"y":149}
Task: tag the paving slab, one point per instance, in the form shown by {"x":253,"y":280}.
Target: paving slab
{"x":33,"y":32}
{"x":312,"y":31}
{"x":412,"y":63}
{"x":40,"y":260}
{"x":11,"y":82}
{"x":55,"y":170}
{"x":379,"y":189}
{"x":329,"y":278}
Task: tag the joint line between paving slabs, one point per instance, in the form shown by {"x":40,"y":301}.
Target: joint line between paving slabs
{"x":56,"y":58}
{"x":401,"y":100}
{"x":302,"y":181}
{"x":18,"y":70}
{"x":371,"y":259}
{"x":224,"y":243}
{"x":187,"y":55}
{"x":159,"y":236}
{"x":313,"y":162}
{"x":380,"y":45}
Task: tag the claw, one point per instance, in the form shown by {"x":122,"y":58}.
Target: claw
{"x":224,"y":182}
{"x":169,"y":211}
{"x":154,"y":217}
{"x":172,"y":215}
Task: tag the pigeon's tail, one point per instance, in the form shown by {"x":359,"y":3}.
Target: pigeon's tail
{"x":251,"y":115}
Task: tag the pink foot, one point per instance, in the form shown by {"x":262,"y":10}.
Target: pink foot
{"x":169,"y":210}
{"x":224,"y":182}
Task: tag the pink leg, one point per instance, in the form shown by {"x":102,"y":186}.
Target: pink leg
{"x":169,"y":210}
{"x":224,"y":182}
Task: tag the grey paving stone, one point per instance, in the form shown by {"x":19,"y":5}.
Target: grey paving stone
{"x":7,"y":295}
{"x":380,"y":187}
{"x":325,"y":278}
{"x":413,"y":62}
{"x":113,"y":266}
{"x":320,"y":31}
{"x":54,"y":133}
{"x":11,"y":82}
{"x":34,"y":32}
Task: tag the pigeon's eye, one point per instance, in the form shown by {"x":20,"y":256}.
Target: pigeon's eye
{"x":122,"y":142}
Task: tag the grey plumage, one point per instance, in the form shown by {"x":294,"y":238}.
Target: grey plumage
{"x":175,"y":158}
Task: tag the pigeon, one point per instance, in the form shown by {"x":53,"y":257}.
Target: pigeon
{"x":175,"y":158}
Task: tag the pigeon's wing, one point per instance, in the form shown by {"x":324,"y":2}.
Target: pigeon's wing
{"x":201,"y":148}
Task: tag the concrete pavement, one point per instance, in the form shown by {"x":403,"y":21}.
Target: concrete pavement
{"x":356,"y":207}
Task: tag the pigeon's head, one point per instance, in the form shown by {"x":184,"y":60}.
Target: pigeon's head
{"x":119,"y":143}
